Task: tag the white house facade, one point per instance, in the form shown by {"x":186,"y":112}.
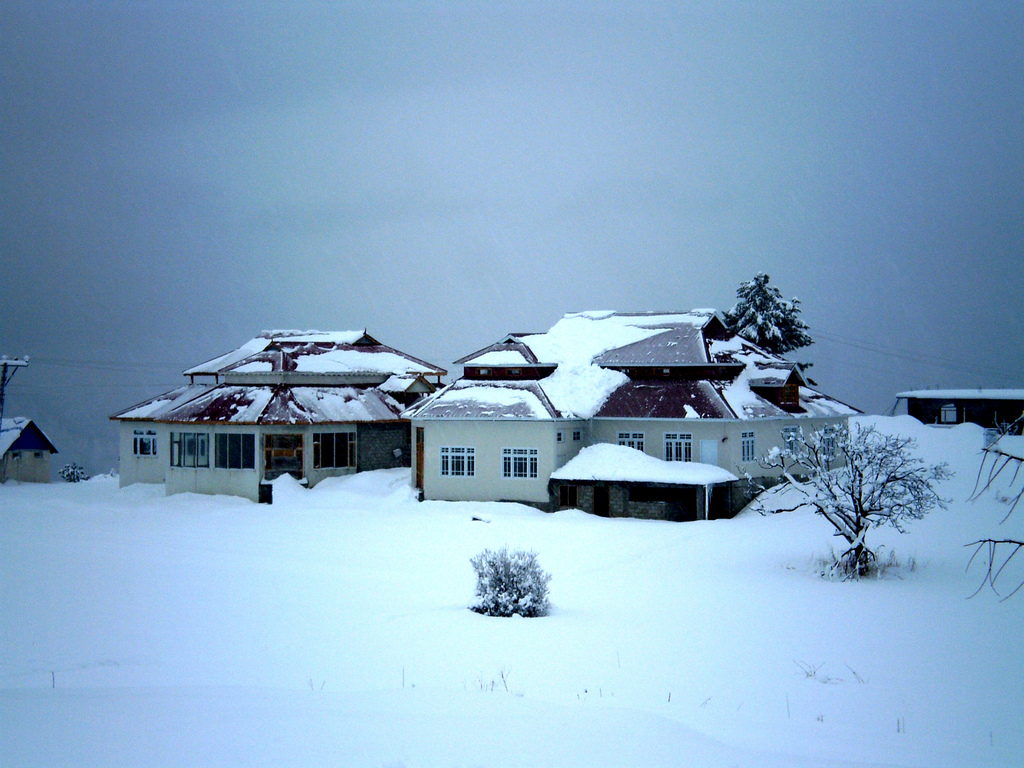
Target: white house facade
{"x":677,"y":387}
{"x":310,"y":404}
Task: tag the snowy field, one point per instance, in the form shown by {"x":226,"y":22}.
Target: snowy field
{"x":332,"y":629}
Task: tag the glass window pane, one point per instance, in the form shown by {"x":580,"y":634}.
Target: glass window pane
{"x":202,"y":450}
{"x":235,"y":451}
{"x":248,"y":452}
{"x":327,"y":450}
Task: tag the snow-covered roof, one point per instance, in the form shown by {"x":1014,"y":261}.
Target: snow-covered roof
{"x":400,"y":383}
{"x":10,"y":430}
{"x":487,"y":400}
{"x":511,"y":351}
{"x":238,"y":404}
{"x":13,"y":428}
{"x":963,"y":394}
{"x":580,"y":337}
{"x":339,"y":352}
{"x":502,"y":357}
{"x":588,"y":349}
{"x":619,"y":463}
{"x":154,"y":408}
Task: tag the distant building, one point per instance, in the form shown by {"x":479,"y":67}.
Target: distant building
{"x":989,"y":408}
{"x":24,"y":452}
{"x":310,"y":404}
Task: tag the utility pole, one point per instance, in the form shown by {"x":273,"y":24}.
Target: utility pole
{"x":8,"y":367}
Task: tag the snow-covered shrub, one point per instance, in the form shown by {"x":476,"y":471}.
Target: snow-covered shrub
{"x":72,"y":473}
{"x":510,"y":583}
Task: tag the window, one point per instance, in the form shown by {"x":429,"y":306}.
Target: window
{"x":190,"y":449}
{"x":458,"y":462}
{"x":567,"y":496}
{"x":558,"y":437}
{"x":632,"y":439}
{"x":235,"y":451}
{"x":790,"y":435}
{"x":828,"y":444}
{"x":576,"y":435}
{"x":747,"y":446}
{"x":484,"y":372}
{"x":144,"y":442}
{"x":519,"y":462}
{"x":332,"y":450}
{"x":947,"y":414}
{"x":678,"y":446}
{"x":515,"y":371}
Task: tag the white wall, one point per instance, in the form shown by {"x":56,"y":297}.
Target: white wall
{"x":726,"y":433}
{"x":25,"y":466}
{"x":488,"y":438}
{"x":142,"y":469}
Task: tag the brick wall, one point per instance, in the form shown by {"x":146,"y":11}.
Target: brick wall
{"x":376,"y":444}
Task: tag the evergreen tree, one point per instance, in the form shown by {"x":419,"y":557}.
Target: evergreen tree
{"x":762,"y":316}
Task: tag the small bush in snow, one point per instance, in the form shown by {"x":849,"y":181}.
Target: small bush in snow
{"x":834,"y":567}
{"x":72,"y":473}
{"x":509,"y":583}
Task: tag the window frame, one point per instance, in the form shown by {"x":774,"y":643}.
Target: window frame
{"x":457,"y":461}
{"x":142,"y":437}
{"x":230,"y":450}
{"x":790,"y":437}
{"x":678,"y":446}
{"x":341,"y":442}
{"x":748,"y":450}
{"x":520,"y":463}
{"x":632,"y":440}
{"x":180,"y":454}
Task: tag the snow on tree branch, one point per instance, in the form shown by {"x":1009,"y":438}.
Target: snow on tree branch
{"x":1006,"y":454}
{"x":763,"y":317}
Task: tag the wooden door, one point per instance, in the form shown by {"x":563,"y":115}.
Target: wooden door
{"x":601,"y":500}
{"x":282,"y":454}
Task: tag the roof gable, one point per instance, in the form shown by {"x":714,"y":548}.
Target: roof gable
{"x":343,"y":352}
{"x":22,"y":434}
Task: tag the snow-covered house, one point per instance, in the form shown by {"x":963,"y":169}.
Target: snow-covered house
{"x":307,"y":403}
{"x":678,"y":387}
{"x":24,"y":452}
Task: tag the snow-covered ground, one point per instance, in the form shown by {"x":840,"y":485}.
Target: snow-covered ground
{"x":332,"y":629}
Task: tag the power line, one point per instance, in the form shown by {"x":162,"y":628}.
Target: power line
{"x":914,"y":356}
{"x":106,"y":365}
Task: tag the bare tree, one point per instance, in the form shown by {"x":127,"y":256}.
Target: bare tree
{"x":857,"y":478}
{"x":1005,"y":454}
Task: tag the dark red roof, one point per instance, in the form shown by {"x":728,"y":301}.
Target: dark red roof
{"x":665,"y":400}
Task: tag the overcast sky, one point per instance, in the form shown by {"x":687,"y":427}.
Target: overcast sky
{"x":177,"y":177}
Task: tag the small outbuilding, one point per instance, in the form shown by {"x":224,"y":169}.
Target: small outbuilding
{"x":617,"y":481}
{"x":988,"y":408}
{"x":24,"y":452}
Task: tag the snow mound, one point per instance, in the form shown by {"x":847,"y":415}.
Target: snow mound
{"x":622,"y":463}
